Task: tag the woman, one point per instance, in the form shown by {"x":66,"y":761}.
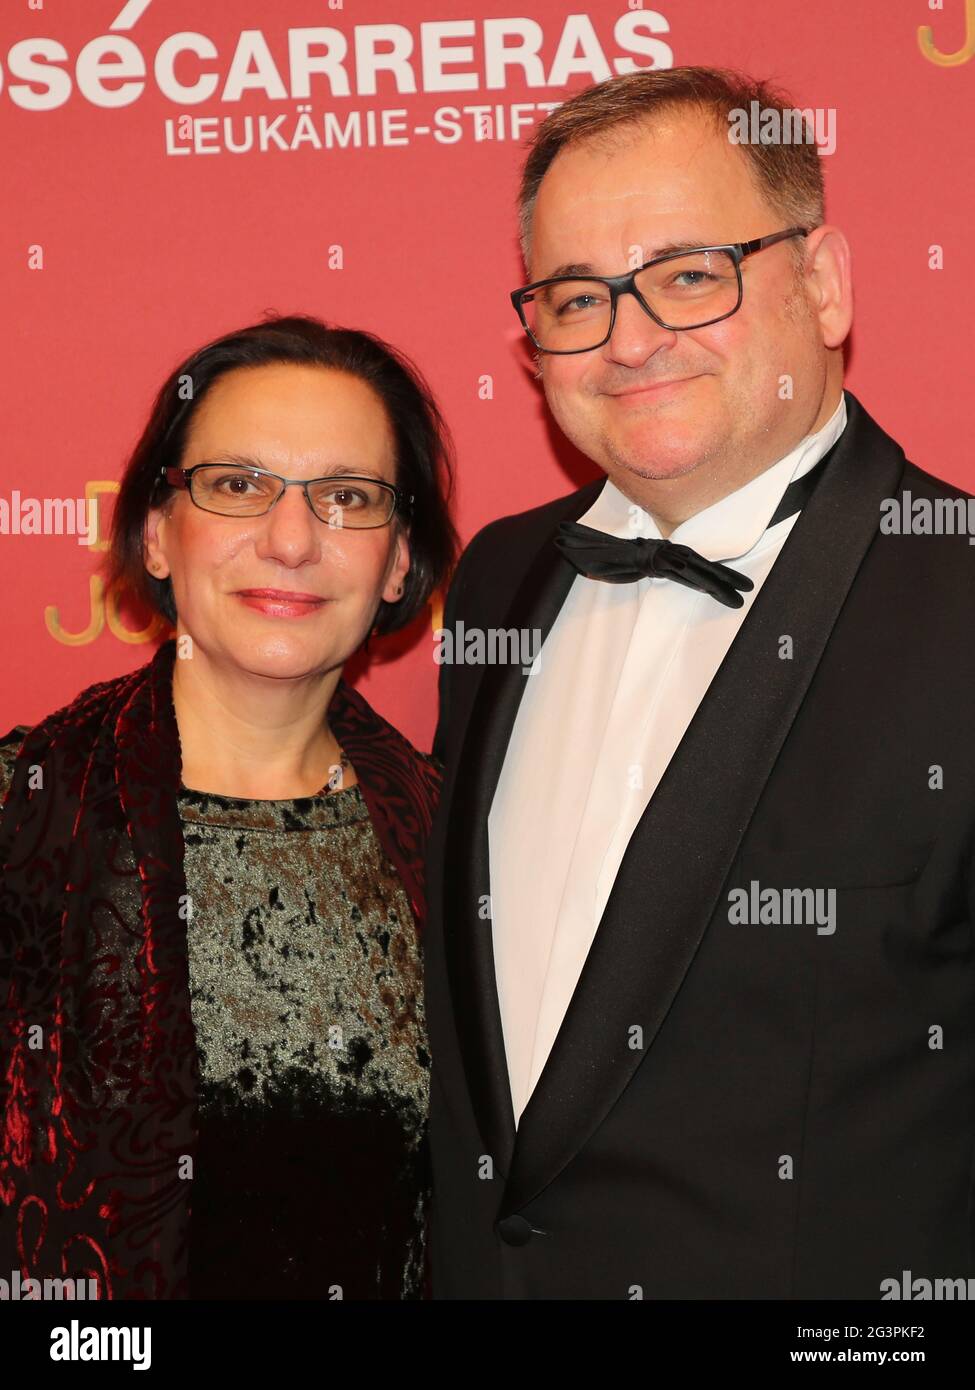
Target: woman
{"x":213,"y":1060}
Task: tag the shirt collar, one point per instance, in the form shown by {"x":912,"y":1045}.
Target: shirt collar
{"x":734,"y":525}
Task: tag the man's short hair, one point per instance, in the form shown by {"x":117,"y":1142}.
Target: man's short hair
{"x":789,"y":175}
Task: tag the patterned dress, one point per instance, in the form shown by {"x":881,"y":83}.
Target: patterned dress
{"x":311,"y":1176}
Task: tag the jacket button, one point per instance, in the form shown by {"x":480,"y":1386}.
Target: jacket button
{"x":514,"y":1230}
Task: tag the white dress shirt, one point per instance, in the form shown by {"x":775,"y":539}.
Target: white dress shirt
{"x":621,"y":675}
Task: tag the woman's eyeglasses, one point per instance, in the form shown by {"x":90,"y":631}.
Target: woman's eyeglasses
{"x":343,"y":501}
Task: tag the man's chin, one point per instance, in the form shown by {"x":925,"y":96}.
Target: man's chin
{"x":654,"y":464}
{"x":655,"y":447}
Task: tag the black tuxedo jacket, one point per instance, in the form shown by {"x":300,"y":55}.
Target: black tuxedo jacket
{"x":733,"y":1110}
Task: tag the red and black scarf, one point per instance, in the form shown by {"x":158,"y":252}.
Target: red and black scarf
{"x":98,"y":1066}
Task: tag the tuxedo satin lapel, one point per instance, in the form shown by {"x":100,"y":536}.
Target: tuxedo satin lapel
{"x":468,"y":945}
{"x":655,"y":917}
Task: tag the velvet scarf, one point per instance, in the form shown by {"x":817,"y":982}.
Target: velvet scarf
{"x":98,"y":1066}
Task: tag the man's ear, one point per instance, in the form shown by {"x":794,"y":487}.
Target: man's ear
{"x":395,"y":579}
{"x":830,"y":276}
{"x":153,"y":546}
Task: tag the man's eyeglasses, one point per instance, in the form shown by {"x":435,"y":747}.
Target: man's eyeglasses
{"x":346,"y":501}
{"x":682,"y":289}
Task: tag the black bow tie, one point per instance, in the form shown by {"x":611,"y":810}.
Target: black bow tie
{"x":621,"y":560}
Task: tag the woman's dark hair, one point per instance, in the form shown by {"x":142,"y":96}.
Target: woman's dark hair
{"x":422,"y":441}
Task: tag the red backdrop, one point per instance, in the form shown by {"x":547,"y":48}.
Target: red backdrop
{"x":131,"y":233}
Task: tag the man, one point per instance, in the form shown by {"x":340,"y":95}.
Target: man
{"x":700,"y":968}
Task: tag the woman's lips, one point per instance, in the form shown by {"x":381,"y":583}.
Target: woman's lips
{"x":281,"y":603}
